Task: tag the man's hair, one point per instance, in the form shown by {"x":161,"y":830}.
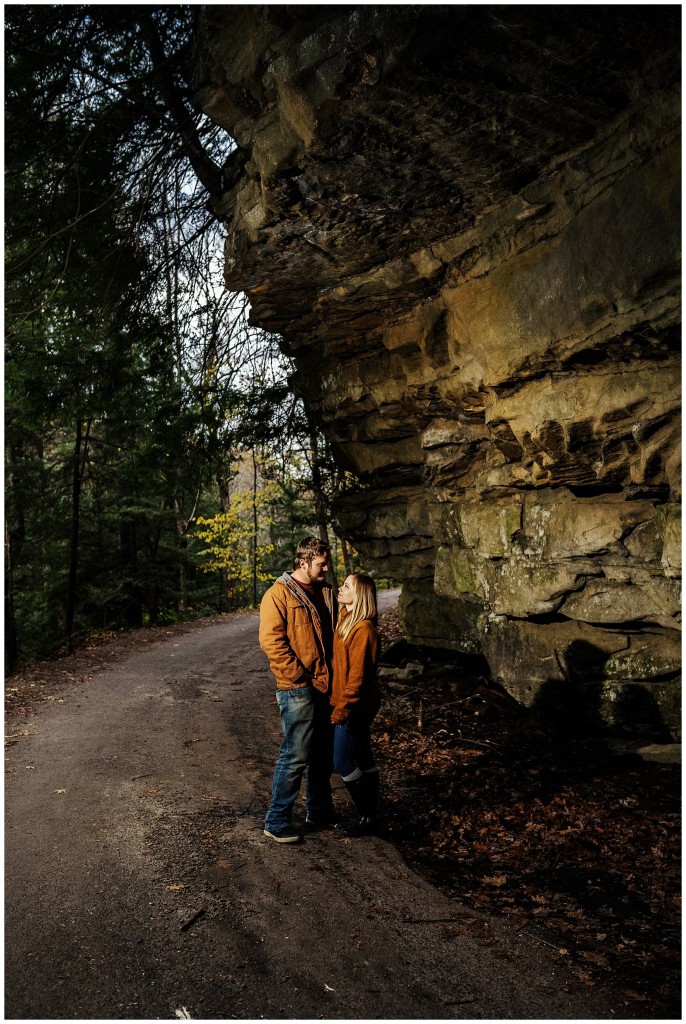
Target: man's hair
{"x":309,"y":548}
{"x":363,"y":607}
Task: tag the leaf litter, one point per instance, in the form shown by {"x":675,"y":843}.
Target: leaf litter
{"x":575,"y":843}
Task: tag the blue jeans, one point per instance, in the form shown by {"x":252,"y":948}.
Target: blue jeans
{"x":306,"y":749}
{"x":352,"y":747}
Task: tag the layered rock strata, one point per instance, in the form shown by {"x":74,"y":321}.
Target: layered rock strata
{"x":464,"y":224}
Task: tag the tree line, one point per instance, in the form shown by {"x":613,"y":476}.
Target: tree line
{"x":157,"y":464}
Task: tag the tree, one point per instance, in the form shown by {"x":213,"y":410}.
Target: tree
{"x":233,"y":543}
{"x":134,"y":381}
{"x":96,"y":124}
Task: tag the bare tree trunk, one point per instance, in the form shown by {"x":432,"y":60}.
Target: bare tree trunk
{"x":14,"y":540}
{"x":223,"y":480}
{"x":319,"y":500}
{"x":11,"y":643}
{"x":320,"y":511}
{"x":182,"y":524}
{"x":183,"y":578}
{"x":254,"y":530}
{"x":317,"y":490}
{"x":224,"y":600}
{"x":181,"y":530}
{"x":80,"y":456}
{"x":151,"y":543}
{"x":347,"y":557}
{"x":224,"y":505}
{"x":131,"y":610}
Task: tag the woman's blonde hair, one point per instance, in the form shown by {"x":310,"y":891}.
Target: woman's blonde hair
{"x":364,"y":604}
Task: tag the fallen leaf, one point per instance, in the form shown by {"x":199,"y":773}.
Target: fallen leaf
{"x":176,"y":885}
{"x":497,"y":880}
{"x":595,"y":958}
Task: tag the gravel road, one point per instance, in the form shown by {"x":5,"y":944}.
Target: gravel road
{"x":140,"y":884}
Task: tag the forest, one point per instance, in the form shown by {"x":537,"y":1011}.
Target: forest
{"x":158,"y":465}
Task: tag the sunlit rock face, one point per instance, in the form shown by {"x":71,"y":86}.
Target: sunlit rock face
{"x":463,"y":221}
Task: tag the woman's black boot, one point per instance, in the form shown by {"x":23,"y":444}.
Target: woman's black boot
{"x":356,"y":789}
{"x":361,"y":826}
{"x":371,"y":796}
{"x":365,"y":795}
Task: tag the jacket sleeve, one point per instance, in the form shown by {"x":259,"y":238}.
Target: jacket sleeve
{"x":283,"y":662}
{"x":363,"y":656}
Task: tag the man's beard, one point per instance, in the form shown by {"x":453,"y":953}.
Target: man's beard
{"x":314,"y":577}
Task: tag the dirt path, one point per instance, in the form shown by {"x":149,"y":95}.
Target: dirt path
{"x":138,"y":803}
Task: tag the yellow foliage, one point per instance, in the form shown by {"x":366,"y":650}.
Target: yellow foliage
{"x":229,"y":536}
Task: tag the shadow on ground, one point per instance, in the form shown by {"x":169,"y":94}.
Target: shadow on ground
{"x":569,"y":834}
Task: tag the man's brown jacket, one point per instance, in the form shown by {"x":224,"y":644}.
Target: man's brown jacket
{"x":291,"y":636}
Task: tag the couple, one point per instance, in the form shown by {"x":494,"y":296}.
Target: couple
{"x":324,"y":662}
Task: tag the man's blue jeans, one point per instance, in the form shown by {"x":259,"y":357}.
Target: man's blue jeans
{"x":307,"y":749}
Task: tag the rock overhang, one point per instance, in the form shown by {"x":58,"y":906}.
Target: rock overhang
{"x":463,"y":222}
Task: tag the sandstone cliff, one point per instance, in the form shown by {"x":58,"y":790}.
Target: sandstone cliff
{"x":463,"y":221}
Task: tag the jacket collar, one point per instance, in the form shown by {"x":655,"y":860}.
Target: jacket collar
{"x":292,"y":586}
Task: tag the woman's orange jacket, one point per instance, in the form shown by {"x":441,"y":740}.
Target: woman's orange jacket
{"x":355,"y":661}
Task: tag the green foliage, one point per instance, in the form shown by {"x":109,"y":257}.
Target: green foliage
{"x":134,"y":383}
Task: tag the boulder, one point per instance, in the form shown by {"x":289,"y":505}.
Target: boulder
{"x":435,"y":621}
{"x":643,"y":598}
{"x":594,"y":677}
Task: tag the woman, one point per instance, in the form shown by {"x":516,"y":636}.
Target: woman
{"x":355,"y":697}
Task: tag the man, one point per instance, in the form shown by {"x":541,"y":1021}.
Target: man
{"x":297,"y":621}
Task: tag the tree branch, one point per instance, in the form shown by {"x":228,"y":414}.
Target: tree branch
{"x":209,"y":174}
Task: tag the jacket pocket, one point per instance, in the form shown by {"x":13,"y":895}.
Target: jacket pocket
{"x":302,"y":636}
{"x":298,"y":617}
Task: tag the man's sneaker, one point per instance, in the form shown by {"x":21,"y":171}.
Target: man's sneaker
{"x":283,"y":835}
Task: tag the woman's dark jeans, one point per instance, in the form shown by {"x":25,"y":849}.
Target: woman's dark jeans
{"x":352,"y":748}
